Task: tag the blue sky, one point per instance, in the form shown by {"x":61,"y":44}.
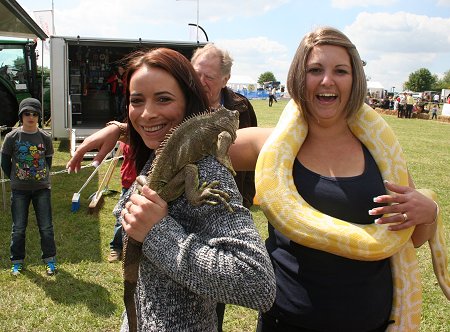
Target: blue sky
{"x":395,"y":37}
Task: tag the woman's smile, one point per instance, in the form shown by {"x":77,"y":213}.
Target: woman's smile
{"x":157,"y":104}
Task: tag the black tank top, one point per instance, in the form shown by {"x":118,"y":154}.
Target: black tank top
{"x":322,"y":291}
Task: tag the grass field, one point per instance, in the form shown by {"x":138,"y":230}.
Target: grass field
{"x":86,"y":294}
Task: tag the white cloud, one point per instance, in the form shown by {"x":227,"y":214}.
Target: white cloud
{"x":230,"y":9}
{"x":344,"y":4}
{"x":393,"y":69}
{"x":402,"y":43}
{"x":145,"y":18}
{"x":257,"y":55}
{"x":400,"y":31}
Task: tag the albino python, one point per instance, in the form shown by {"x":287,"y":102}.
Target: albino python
{"x":293,"y":217}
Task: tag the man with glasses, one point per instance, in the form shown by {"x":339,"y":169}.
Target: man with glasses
{"x":26,"y":160}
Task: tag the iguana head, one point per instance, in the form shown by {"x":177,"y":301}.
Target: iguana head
{"x":227,"y":120}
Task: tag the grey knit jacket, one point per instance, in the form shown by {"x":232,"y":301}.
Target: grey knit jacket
{"x":198,"y":256}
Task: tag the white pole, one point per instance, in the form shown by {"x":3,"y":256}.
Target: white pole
{"x":42,"y":83}
{"x":198,"y":5}
{"x":53,"y":18}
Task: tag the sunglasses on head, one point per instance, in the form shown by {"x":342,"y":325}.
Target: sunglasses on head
{"x":34,"y":114}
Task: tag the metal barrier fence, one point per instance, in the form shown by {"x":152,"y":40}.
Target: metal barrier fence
{"x":258,"y":94}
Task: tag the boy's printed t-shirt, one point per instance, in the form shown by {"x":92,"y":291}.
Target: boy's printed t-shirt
{"x":29,"y":169}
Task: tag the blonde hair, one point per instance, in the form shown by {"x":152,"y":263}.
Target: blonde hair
{"x":296,"y":81}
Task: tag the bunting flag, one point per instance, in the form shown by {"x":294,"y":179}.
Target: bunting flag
{"x":44,"y":18}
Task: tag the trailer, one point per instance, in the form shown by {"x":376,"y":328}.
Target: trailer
{"x":81,"y":98}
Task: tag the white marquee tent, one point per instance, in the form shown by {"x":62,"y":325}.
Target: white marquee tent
{"x":239,"y":82}
{"x":375,"y":89}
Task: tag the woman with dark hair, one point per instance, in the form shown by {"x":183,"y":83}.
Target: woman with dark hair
{"x":193,"y":256}
{"x":174,"y":63}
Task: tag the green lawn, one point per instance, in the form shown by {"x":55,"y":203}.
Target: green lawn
{"x":86,"y":294}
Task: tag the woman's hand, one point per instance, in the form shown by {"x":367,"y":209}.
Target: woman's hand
{"x":142,"y":212}
{"x":408,"y":206}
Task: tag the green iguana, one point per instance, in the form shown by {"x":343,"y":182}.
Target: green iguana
{"x":173,"y":172}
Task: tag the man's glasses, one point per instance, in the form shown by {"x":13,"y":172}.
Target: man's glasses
{"x":34,"y":114}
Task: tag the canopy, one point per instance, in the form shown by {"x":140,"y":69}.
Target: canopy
{"x":15,"y":22}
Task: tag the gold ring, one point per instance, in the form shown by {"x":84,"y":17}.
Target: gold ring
{"x":405,"y":217}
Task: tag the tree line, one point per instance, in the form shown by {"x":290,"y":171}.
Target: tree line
{"x":423,"y":80}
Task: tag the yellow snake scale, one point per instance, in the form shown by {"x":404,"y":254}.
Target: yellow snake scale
{"x":293,"y":217}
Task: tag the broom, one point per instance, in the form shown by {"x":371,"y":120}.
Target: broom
{"x":103,"y":187}
{"x":76,"y":196}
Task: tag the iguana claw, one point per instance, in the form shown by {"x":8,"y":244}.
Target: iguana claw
{"x":207,"y":191}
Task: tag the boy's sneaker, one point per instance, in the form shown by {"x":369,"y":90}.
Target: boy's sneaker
{"x":16,"y":269}
{"x":51,"y":268}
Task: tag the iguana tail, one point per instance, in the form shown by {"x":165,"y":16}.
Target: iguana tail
{"x":132,"y":256}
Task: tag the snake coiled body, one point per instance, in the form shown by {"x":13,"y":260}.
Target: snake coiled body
{"x":287,"y":211}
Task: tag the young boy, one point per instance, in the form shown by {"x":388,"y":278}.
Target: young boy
{"x":434,"y":111}
{"x":26,"y":159}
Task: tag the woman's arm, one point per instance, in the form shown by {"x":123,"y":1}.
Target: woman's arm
{"x":245,"y":150}
{"x":103,"y":140}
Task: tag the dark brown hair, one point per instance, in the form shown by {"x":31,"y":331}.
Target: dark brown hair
{"x":182,"y":71}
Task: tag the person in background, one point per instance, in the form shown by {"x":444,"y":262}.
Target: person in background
{"x":436,"y":98}
{"x":395,"y":108}
{"x":127,"y":176}
{"x":409,"y":105}
{"x":27,"y":153}
{"x":117,"y":88}
{"x":194,"y":256}
{"x":272,"y":96}
{"x":434,"y":111}
{"x":385,"y":104}
{"x":213,"y":66}
{"x":402,"y":106}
